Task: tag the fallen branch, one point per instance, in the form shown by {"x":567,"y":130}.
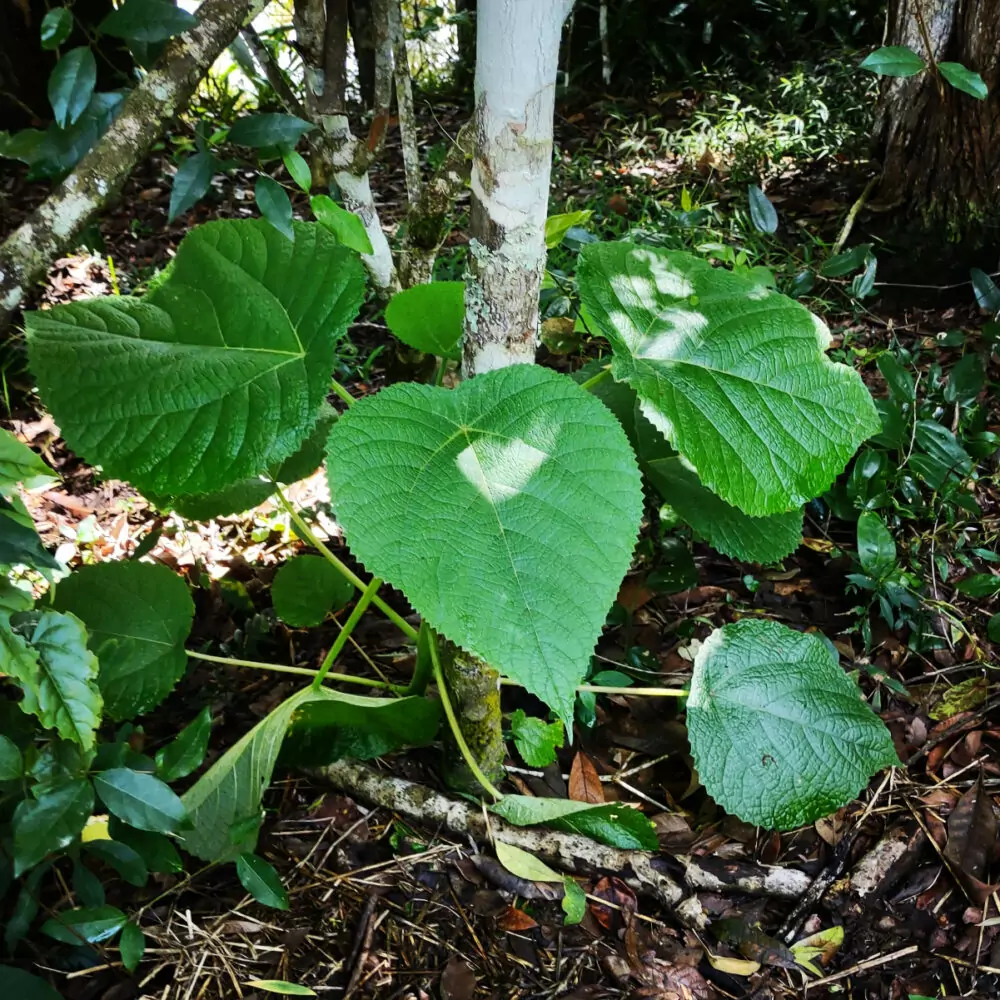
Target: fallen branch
{"x":26,"y":254}
{"x":570,"y":852}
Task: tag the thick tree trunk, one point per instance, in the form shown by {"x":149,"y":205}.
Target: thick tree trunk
{"x":165,"y":90}
{"x":940,"y":148}
{"x":517,"y":56}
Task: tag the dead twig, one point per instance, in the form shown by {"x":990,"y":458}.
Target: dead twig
{"x":642,"y":871}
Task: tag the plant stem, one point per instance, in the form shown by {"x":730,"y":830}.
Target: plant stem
{"x":307,"y":533}
{"x":345,"y":633}
{"x":341,"y":391}
{"x":594,"y":379}
{"x":456,"y":729}
{"x":439,"y":377}
{"x":301,"y":671}
{"x":646,"y":692}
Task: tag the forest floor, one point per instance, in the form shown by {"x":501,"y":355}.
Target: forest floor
{"x":384,"y":907}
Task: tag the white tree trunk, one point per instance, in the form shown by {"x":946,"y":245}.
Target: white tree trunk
{"x":517,"y":56}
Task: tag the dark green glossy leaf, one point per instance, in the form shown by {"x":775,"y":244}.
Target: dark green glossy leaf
{"x":86,"y":924}
{"x":124,"y":859}
{"x":19,"y":542}
{"x":762,"y":212}
{"x":16,"y":984}
{"x":11,"y":761}
{"x":979,"y":585}
{"x":899,"y":380}
{"x":894,"y":60}
{"x":185,"y":754}
{"x":56,"y":27}
{"x":272,"y":200}
{"x":50,"y":823}
{"x":191,"y":183}
{"x":155,"y":849}
{"x":844,"y":263}
{"x":71,"y":85}
{"x":966,"y":80}
{"x":876,"y":548}
{"x":141,"y":800}
{"x":986,"y":290}
{"x":269,"y":130}
{"x":147,"y":21}
{"x":261,"y":880}
{"x":132,"y":946}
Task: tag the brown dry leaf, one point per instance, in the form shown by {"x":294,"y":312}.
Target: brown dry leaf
{"x":584,"y":783}
{"x":633,"y":594}
{"x":832,"y":828}
{"x":972,"y":836}
{"x":672,"y":981}
{"x":618,"y":204}
{"x":458,"y":981}
{"x":615,"y":891}
{"x":513,"y":919}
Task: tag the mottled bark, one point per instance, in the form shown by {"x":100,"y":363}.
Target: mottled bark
{"x":940,"y":148}
{"x":474,"y":688}
{"x":517,"y":55}
{"x":429,"y":220}
{"x":165,"y":90}
{"x":643,"y":871}
{"x":404,"y":103}
{"x":321,"y":29}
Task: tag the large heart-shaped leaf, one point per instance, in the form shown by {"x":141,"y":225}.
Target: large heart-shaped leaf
{"x":724,"y":527}
{"x":734,"y":375}
{"x":216,"y":374}
{"x":779,"y":733}
{"x":506,"y":511}
{"x":138,"y":617}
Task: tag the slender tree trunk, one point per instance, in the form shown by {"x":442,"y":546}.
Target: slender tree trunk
{"x":517,"y":57}
{"x":165,"y":90}
{"x":404,"y":103}
{"x":321,"y":32}
{"x":465,"y":67}
{"x":363,"y":38}
{"x":939,"y":147}
{"x":605,"y":44}
{"x":429,"y":220}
